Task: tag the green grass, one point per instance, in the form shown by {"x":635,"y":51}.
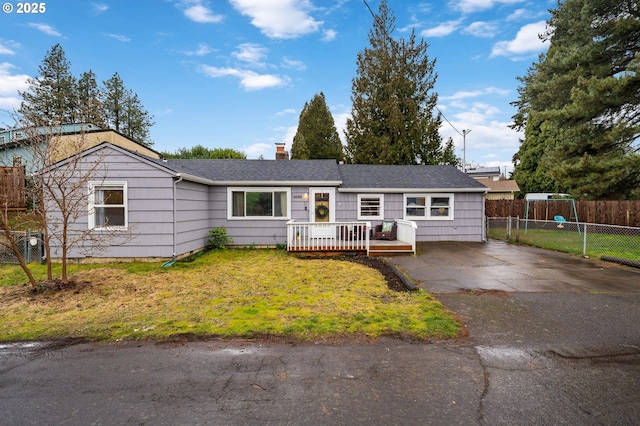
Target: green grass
{"x":227,"y":293}
{"x":626,"y":247}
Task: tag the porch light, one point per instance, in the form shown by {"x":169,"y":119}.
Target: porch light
{"x":305,"y":196}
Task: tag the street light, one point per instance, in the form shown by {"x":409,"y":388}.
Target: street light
{"x":464,"y":149}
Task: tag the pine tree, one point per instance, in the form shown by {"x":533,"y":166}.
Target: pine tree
{"x":579,"y":103}
{"x":317,"y":137}
{"x":124,"y":113}
{"x":89,"y":106}
{"x":393,"y":100}
{"x":50,"y":99}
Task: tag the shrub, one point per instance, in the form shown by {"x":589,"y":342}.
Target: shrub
{"x":218,"y":238}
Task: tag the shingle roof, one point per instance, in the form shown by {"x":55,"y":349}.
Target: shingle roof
{"x":258,"y":170}
{"x":499,"y":185}
{"x":366,"y":176}
{"x":327,"y":172}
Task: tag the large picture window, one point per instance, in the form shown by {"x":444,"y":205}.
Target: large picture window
{"x":108,"y":205}
{"x":259,"y":203}
{"x":428,"y":206}
{"x":370,"y":206}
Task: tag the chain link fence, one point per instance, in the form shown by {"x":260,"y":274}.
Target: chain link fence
{"x":29,"y":244}
{"x":610,"y":242}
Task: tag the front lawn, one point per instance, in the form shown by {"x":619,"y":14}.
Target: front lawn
{"x":227,"y":293}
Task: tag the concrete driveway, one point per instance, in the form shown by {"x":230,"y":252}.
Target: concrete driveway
{"x":553,"y":340}
{"x":451,"y":267}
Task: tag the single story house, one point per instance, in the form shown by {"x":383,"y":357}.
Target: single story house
{"x":169,"y":206}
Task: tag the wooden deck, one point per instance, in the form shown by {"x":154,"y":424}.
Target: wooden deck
{"x":333,"y":238}
{"x":376,"y":248}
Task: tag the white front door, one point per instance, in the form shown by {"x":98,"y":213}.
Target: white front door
{"x":322,"y":203}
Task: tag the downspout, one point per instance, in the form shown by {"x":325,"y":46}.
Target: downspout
{"x":175,"y":214}
{"x":175,"y":223}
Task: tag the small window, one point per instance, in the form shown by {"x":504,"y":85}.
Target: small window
{"x":258,"y":203}
{"x":370,"y":206}
{"x":108,"y":205}
{"x":434,"y":207}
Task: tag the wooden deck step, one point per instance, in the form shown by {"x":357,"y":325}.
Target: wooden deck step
{"x":384,"y":250}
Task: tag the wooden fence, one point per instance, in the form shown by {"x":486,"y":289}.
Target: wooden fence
{"x":12,"y":188}
{"x":622,"y":213}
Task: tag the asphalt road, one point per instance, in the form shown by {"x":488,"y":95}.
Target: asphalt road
{"x":553,"y":339}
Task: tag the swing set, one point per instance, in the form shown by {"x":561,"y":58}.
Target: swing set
{"x":546,"y":197}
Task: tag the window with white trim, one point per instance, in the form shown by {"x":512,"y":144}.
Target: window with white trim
{"x":259,"y":203}
{"x":108,"y":205}
{"x":428,"y":206}
{"x":370,"y":206}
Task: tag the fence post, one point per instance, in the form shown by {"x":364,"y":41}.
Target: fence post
{"x":584,"y":243}
{"x":518,"y":229}
{"x":509,"y":228}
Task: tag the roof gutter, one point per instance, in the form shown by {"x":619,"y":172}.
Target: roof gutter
{"x":278,"y":183}
{"x":411,"y":190}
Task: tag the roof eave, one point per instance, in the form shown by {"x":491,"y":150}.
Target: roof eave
{"x":396,"y":190}
{"x":277,"y":183}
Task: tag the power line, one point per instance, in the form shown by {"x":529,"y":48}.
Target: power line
{"x":384,"y":30}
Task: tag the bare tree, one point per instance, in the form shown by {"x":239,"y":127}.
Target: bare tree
{"x":64,"y":172}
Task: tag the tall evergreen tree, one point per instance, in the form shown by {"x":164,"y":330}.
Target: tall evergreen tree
{"x":124,"y":113}
{"x":393,"y":100}
{"x":317,"y":137}
{"x":50,"y":98}
{"x":89,"y":105}
{"x":579,"y":103}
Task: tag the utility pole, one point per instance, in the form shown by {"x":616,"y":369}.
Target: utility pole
{"x":464,"y":149}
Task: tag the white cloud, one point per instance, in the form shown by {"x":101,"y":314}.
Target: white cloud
{"x":10,"y":84}
{"x":441,"y":30}
{"x":249,"y":80}
{"x":292,"y":63}
{"x":202,"y":50}
{"x":47,"y":29}
{"x":100,"y":8}
{"x":279,"y":18}
{"x":256,"y":150}
{"x":4,"y":50}
{"x":118,"y":37}
{"x":251,"y":53}
{"x":287,"y":111}
{"x":469,"y":6}
{"x":465,"y":94}
{"x":481,"y":29}
{"x":527,"y":41}
{"x":329,"y":35}
{"x":518,"y":14}
{"x":198,"y":12}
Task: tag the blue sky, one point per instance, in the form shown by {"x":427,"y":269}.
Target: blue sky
{"x":235,"y":74}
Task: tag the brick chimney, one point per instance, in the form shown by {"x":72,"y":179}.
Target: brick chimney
{"x":281,"y":154}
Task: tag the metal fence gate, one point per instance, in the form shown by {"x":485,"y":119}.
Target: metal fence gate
{"x":29,"y":244}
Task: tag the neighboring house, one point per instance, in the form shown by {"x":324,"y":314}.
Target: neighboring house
{"x":18,"y":157}
{"x":15,"y":144}
{"x":500,"y":189}
{"x":169,"y":206}
{"x":484,"y":172}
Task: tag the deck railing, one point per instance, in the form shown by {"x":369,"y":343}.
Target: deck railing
{"x":330,"y":236}
{"x":342,"y":236}
{"x":407,"y":232}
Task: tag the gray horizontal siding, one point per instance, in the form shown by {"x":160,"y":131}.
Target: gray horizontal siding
{"x":193,"y":218}
{"x":150,"y":211}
